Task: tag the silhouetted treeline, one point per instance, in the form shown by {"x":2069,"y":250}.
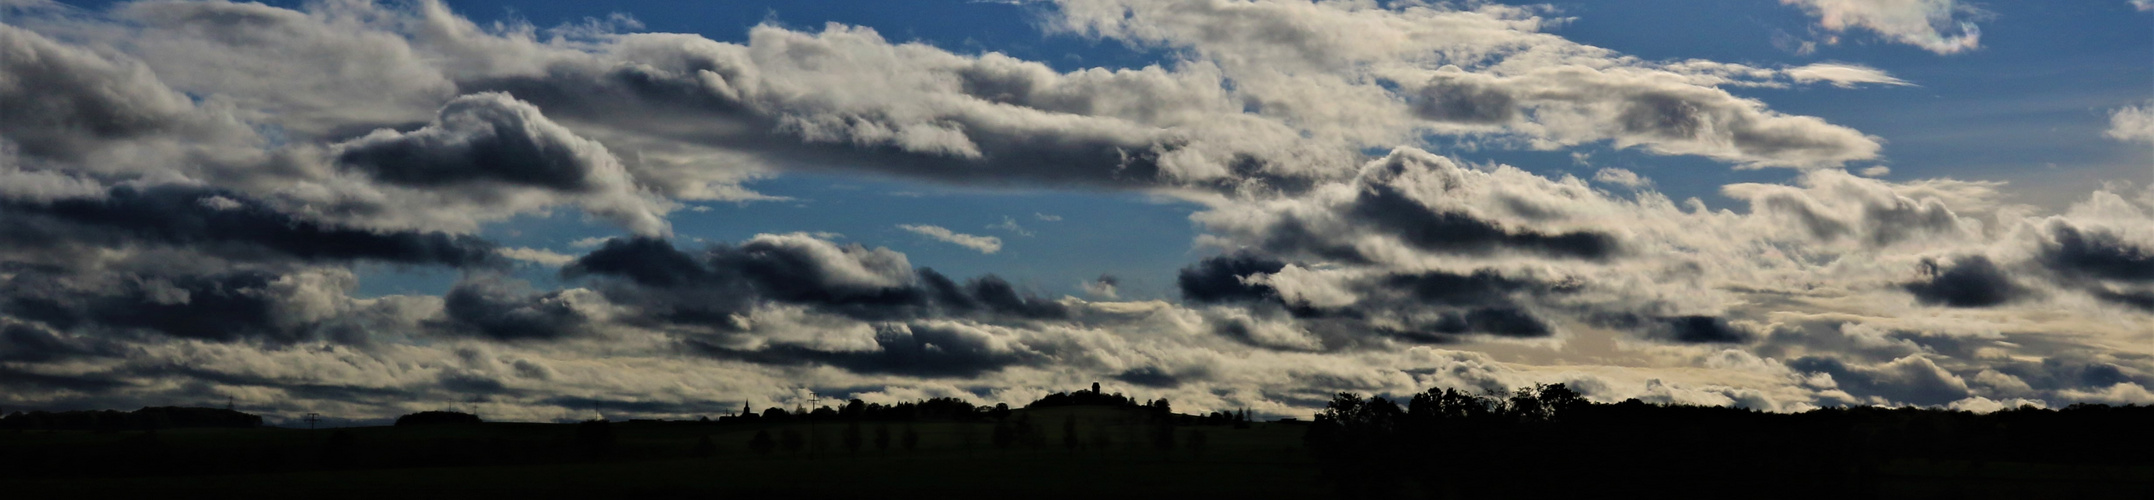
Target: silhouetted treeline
{"x":437,"y":418}
{"x":149,"y":418}
{"x":1547,"y":441}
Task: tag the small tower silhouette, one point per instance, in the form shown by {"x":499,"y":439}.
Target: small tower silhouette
{"x":744,"y":408}
{"x":1095,"y":388}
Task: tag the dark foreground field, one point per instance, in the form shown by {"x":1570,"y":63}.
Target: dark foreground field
{"x":1116,"y":456}
{"x":1600,"y":452}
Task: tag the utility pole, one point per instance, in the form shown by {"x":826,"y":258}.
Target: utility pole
{"x":311,"y":418}
{"x":228,"y":403}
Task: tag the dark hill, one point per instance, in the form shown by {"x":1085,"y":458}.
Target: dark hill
{"x":437,"y":418}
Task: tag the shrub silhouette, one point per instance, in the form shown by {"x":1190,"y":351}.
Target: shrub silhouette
{"x":791,"y":440}
{"x":340,"y":451}
{"x":911,"y":440}
{"x":882,"y":439}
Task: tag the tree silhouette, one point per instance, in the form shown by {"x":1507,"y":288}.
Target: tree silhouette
{"x":762,"y":444}
{"x":703,"y":448}
{"x":1069,"y":433}
{"x":1004,"y":435}
{"x":850,"y":437}
{"x":1163,"y":435}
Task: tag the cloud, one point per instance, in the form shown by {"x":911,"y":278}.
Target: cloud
{"x":191,"y":191}
{"x":2143,"y":5}
{"x":2132,"y":123}
{"x":925,"y":349}
{"x":1940,"y":26}
{"x":69,"y":103}
{"x":1621,"y":177}
{"x":1010,"y":224}
{"x":717,"y":285}
{"x":1969,"y":281}
{"x":502,"y":309}
{"x":226,"y":224}
{"x":1326,"y":65}
{"x":536,"y":256}
{"x":982,"y":244}
{"x":1842,"y":75}
{"x":301,"y":305}
{"x":1105,"y":287}
{"x":489,"y":145}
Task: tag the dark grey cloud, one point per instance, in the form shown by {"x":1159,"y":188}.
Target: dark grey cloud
{"x":500,"y":309}
{"x":1687,"y":329}
{"x":2096,"y":254}
{"x":1902,"y":219}
{"x":226,"y":224}
{"x":28,"y":343}
{"x":2068,"y":372}
{"x":64,"y":102}
{"x":478,"y":138}
{"x":224,"y":307}
{"x":617,"y":408}
{"x":33,"y":382}
{"x":1482,"y":287}
{"x":1392,"y":211}
{"x":490,"y":147}
{"x":708,"y":286}
{"x":1500,"y":321}
{"x":1911,"y":380}
{"x":2140,"y":299}
{"x":1457,"y":97}
{"x":1222,"y":278}
{"x":663,"y":102}
{"x":1432,"y":307}
{"x":916,"y":349}
{"x":472,"y":385}
{"x":1968,"y":281}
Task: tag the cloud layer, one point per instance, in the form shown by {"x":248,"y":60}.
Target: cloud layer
{"x":1940,"y":26}
{"x":187,"y":188}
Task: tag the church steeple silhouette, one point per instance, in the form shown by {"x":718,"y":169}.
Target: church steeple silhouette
{"x":744,"y":407}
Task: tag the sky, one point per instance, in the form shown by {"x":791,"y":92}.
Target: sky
{"x":549,"y":211}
